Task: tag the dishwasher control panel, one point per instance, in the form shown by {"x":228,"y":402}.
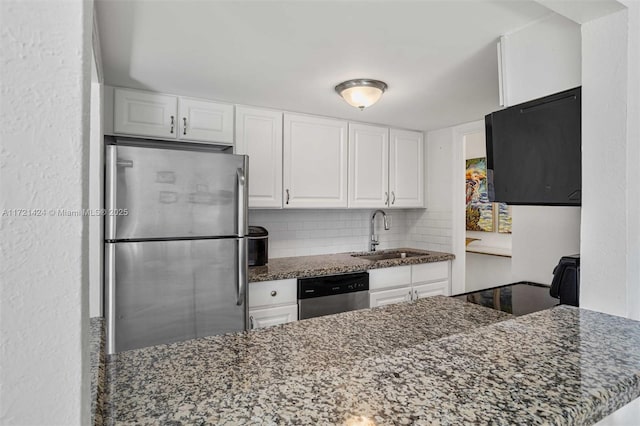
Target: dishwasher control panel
{"x":332,"y":284}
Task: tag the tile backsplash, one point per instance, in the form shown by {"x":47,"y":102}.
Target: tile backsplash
{"x":430,"y":229}
{"x":309,"y":232}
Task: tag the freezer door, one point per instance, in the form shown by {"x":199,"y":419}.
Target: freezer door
{"x":167,"y":193}
{"x":168,"y":291}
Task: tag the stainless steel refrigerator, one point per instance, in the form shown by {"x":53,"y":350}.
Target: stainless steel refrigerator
{"x":175,"y":242}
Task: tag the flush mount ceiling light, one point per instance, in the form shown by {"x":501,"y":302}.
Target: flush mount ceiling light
{"x":361,"y":92}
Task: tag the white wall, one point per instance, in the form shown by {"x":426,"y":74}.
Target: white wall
{"x":633,"y":159}
{"x":610,"y":215}
{"x":445,"y":190}
{"x":541,"y":236}
{"x":44,"y":77}
{"x":486,"y":271}
{"x":96,"y":196}
{"x":541,"y":59}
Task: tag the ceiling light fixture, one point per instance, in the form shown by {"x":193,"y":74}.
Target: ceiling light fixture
{"x":361,"y":92}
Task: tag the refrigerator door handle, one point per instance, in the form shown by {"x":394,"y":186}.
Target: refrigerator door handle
{"x":242,"y":202}
{"x":111,"y":176}
{"x":125,"y":163}
{"x":110,"y":297}
{"x":242,"y":271}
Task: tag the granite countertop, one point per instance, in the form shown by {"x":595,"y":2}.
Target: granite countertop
{"x":97,"y":369}
{"x":434,"y":361}
{"x":339,"y":263}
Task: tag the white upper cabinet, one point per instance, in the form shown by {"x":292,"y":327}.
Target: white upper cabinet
{"x":205,"y":121}
{"x":145,"y":114}
{"x":259,"y":135}
{"x":406,"y":169}
{"x":315,"y":162}
{"x":368,"y":166}
{"x":171,"y":117}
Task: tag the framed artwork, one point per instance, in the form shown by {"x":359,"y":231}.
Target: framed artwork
{"x":481,"y":214}
{"x":479,"y":211}
{"x":504,"y":218}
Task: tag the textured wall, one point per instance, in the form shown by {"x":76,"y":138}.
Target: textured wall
{"x":605,"y":230}
{"x":44,"y":76}
{"x":633,"y":159}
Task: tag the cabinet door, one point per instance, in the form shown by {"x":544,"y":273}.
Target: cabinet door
{"x":259,"y":318}
{"x":406,"y":169}
{"x":368,"y":166}
{"x":205,"y":121}
{"x":431,"y":289}
{"x":259,"y":135}
{"x":388,"y":297}
{"x":145,"y":113}
{"x":315,"y":162}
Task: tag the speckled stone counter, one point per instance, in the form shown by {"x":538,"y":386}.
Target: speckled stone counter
{"x":339,"y":263}
{"x":434,"y":361}
{"x":97,"y":368}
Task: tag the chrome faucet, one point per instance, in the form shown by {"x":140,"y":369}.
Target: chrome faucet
{"x":373,"y":238}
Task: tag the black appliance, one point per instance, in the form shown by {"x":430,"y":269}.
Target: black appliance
{"x":566,"y":280}
{"x":519,"y":298}
{"x":258,"y":246}
{"x":332,"y":294}
{"x":534,"y":151}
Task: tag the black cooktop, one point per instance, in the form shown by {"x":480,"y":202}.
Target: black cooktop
{"x":517,"y":299}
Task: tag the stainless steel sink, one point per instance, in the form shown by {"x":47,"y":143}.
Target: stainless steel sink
{"x":389,"y":254}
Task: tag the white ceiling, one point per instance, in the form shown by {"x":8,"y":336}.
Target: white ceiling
{"x":438,"y":57}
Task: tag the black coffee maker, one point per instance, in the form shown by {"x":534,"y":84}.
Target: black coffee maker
{"x":566,"y":280}
{"x":258,"y":246}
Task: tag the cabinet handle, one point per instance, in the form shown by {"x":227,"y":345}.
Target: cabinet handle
{"x":172,"y":124}
{"x":386,"y":198}
{"x":274,"y":293}
{"x":393,"y":197}
{"x":287,"y":191}
{"x":184,"y":128}
{"x":251,"y":322}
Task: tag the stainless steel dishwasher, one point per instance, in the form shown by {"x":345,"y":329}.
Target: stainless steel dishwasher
{"x":331,"y":294}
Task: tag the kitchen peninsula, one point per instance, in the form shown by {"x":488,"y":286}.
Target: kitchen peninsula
{"x":435,"y":360}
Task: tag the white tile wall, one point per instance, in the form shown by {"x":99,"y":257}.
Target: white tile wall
{"x":309,"y":232}
{"x":429,"y":229}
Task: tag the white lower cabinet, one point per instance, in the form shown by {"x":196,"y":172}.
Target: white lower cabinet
{"x":406,"y":283}
{"x":260,"y":318}
{"x":272,"y":303}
